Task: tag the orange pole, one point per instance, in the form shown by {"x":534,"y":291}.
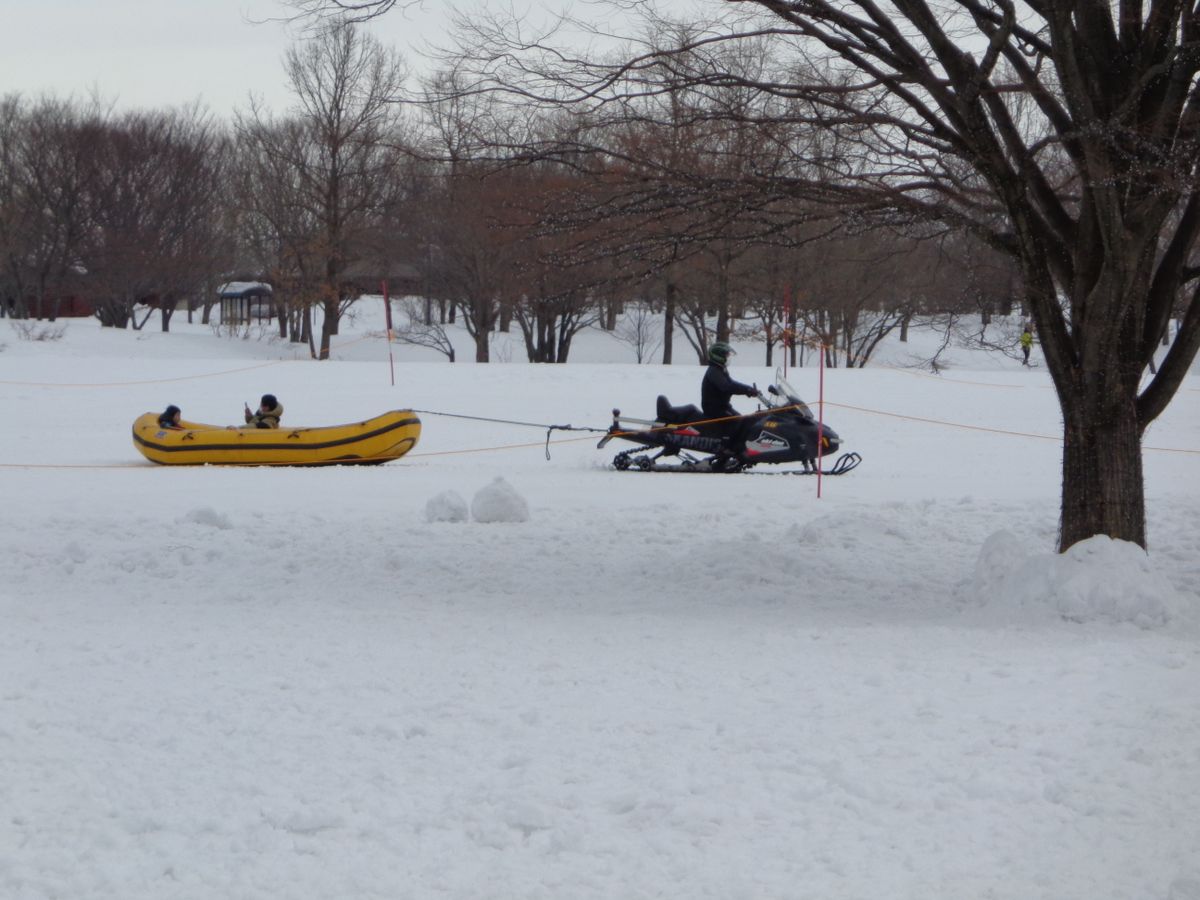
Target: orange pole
{"x":387,"y":313}
{"x":820,"y":421}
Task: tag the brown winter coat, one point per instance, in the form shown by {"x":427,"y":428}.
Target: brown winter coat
{"x":265,"y":419}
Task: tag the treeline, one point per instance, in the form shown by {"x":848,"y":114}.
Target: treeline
{"x":656,"y":235}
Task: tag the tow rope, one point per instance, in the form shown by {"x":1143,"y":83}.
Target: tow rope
{"x":550,"y":429}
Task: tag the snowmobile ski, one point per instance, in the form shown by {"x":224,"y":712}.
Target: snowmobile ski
{"x":636,"y":461}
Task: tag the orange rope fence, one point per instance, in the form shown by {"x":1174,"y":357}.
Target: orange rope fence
{"x":528,"y":444}
{"x":108,"y":384}
{"x":984,"y":428}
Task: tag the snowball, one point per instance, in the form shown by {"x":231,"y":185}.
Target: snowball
{"x":447,"y":506}
{"x":499,"y":502}
{"x":999,"y":557}
{"x":1099,"y":579}
{"x":206,"y":515}
{"x":75,"y":552}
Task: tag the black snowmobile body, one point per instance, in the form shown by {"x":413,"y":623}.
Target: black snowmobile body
{"x":784,"y":430}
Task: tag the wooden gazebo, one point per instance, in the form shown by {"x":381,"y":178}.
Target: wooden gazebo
{"x":243,"y":302}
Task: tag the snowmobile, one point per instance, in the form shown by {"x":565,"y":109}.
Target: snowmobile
{"x":784,"y":430}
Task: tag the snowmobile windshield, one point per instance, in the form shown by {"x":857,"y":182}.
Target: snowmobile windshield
{"x":789,"y":396}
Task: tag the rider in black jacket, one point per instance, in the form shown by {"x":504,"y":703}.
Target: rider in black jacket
{"x":718,"y":387}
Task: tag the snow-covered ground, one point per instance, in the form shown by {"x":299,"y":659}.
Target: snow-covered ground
{"x":326,"y":683}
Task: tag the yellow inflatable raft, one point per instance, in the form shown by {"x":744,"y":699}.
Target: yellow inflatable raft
{"x":376,"y":440}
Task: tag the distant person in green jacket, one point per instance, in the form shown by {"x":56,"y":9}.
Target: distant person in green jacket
{"x":1026,"y":344}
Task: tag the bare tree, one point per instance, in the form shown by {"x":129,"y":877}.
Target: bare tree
{"x":420,"y":332}
{"x":352,"y":11}
{"x":335,"y":159}
{"x":155,"y":195}
{"x":475,"y":252}
{"x":471,"y":212}
{"x":638,"y":329}
{"x":47,"y":183}
{"x":556,"y":293}
{"x":11,"y":243}
{"x":278,"y":231}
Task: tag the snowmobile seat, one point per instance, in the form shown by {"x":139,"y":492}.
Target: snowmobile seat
{"x":677,"y":415}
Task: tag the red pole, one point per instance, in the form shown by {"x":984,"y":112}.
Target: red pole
{"x":387,"y":314}
{"x":820,"y":420}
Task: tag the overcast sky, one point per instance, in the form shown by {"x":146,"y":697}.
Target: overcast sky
{"x":144,"y":53}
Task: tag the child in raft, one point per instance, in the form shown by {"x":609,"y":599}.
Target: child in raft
{"x":171,"y":418}
{"x":269,"y":412}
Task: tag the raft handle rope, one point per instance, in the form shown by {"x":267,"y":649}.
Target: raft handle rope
{"x":550,"y":429}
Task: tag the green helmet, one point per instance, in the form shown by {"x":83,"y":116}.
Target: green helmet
{"x":720,"y":352}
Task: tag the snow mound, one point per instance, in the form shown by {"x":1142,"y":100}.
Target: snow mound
{"x":852,"y":531}
{"x":1184,"y":888}
{"x":499,"y":502}
{"x":448,"y":506}
{"x":206,"y":515}
{"x":1097,"y":580}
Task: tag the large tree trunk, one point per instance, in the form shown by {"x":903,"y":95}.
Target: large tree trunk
{"x":329,"y":322}
{"x":1102,"y":487}
{"x":669,"y":324}
{"x":722,"y":302}
{"x":1097,"y":371}
{"x":326,"y":336}
{"x":479,"y":315}
{"x":612,"y":309}
{"x":544,"y":323}
{"x":564,"y":342}
{"x":795,"y":338}
{"x":481,"y":345}
{"x":306,"y":331}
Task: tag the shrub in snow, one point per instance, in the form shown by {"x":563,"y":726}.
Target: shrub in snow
{"x":206,"y":515}
{"x":499,"y":502}
{"x":447,"y":506}
{"x":30,"y":331}
{"x":1099,"y":579}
